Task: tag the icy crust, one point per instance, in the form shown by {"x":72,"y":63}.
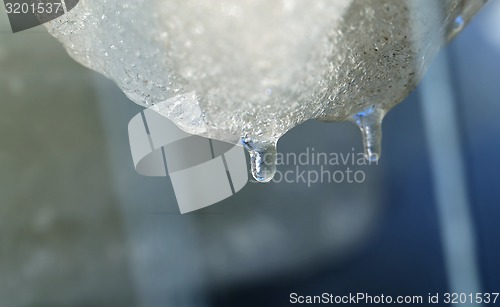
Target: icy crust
{"x":257,"y":68}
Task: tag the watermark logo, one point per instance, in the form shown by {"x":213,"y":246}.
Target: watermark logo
{"x":203,"y":171}
{"x":26,"y":14}
{"x":311,"y":167}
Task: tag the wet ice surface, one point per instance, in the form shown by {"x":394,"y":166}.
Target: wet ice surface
{"x":251,"y":70}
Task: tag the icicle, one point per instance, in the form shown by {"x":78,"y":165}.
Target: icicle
{"x":369,"y":122}
{"x":263,"y":159}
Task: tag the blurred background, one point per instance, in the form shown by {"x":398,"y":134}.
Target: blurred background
{"x":79,"y":227}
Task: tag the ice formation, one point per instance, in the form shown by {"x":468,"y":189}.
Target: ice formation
{"x":250,"y":70}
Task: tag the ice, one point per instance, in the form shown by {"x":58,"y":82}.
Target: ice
{"x":254,"y":69}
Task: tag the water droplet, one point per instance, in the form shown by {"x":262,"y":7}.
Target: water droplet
{"x":456,"y":27}
{"x":369,"y":122}
{"x":459,"y":23}
{"x":262,"y":158}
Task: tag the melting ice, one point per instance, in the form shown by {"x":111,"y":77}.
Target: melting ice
{"x":250,"y":70}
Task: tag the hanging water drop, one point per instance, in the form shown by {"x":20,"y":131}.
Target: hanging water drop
{"x":369,"y":122}
{"x":459,"y":23}
{"x":262,"y":158}
{"x":456,"y":27}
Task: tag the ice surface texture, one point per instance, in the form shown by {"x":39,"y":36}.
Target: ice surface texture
{"x":257,"y":68}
